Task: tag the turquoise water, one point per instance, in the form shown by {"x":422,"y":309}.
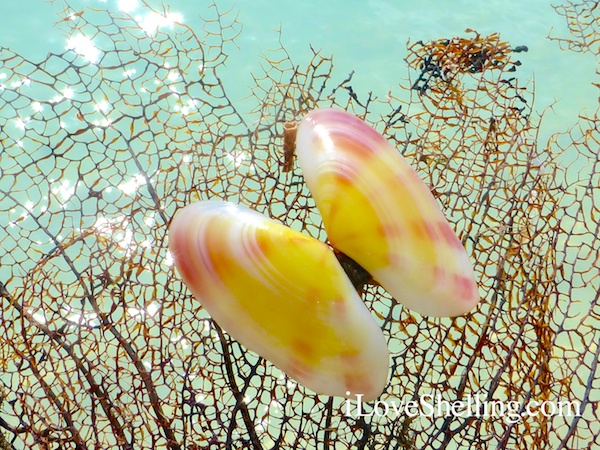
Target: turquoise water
{"x":368,"y":37}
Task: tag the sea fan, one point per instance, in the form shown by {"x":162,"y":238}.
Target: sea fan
{"x":103,"y":346}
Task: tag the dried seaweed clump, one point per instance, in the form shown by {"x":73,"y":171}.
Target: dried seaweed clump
{"x":102,"y":346}
{"x":446,"y":59}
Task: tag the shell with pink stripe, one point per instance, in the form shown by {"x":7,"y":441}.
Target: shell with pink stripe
{"x":378,"y":211}
{"x":283,"y":295}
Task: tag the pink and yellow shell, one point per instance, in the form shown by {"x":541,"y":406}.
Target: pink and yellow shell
{"x":378,"y":211}
{"x":281,"y":294}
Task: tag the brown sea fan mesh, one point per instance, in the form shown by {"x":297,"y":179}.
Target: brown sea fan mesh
{"x":101,"y":344}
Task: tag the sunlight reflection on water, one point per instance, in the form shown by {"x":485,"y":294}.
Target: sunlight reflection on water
{"x":374,"y":44}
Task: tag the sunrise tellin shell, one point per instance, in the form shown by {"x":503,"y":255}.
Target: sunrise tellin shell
{"x":283,"y":295}
{"x":378,"y":211}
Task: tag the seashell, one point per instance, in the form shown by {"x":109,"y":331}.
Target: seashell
{"x":283,"y":295}
{"x":378,"y":211}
